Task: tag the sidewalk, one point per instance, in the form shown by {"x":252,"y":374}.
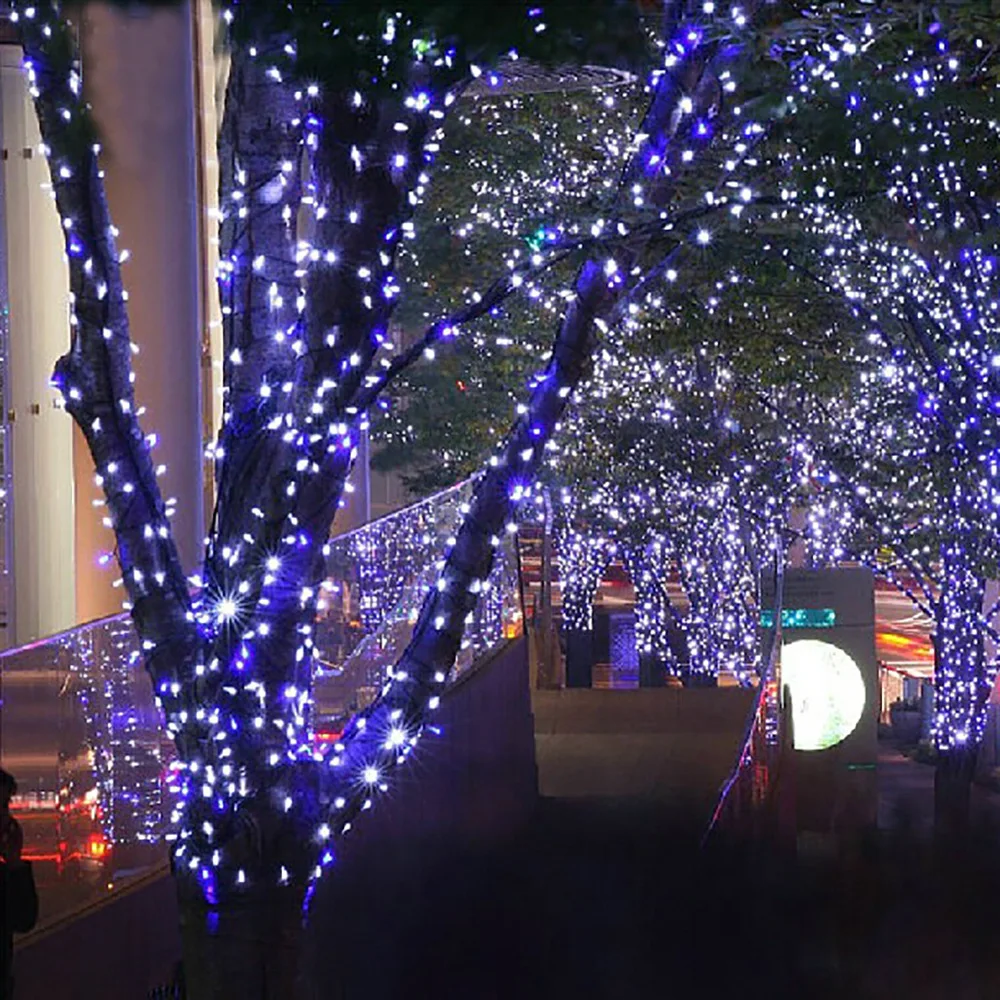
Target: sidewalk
{"x":906,"y":795}
{"x":603,"y":895}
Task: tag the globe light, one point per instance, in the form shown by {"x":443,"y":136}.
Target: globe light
{"x":827,"y":693}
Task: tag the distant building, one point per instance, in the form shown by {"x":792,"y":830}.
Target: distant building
{"x":156,"y":84}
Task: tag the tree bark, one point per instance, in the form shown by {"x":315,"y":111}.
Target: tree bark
{"x":962,"y":686}
{"x":548,"y":646}
{"x":257,"y":140}
{"x":652,"y":671}
{"x":247,"y":948}
{"x":953,"y":793}
{"x":579,"y":658}
{"x":645,"y":563}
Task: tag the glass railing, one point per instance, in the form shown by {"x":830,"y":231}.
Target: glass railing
{"x":82,"y":734}
{"x":6,"y":452}
{"x":380,"y":574}
{"x":746,"y":802}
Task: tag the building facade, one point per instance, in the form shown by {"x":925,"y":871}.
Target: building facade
{"x":155,"y":79}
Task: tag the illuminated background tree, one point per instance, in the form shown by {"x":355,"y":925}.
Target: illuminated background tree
{"x":873,"y":194}
{"x":903,"y":232}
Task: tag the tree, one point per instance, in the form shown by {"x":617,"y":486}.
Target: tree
{"x":654,"y":613}
{"x":902,"y":193}
{"x":482,"y":375}
{"x":904,"y":233}
{"x":517,"y":173}
{"x":908,"y":471}
{"x":584,"y":556}
{"x":684,"y":475}
{"x":306,"y":326}
{"x":872,"y":195}
{"x":332,"y":120}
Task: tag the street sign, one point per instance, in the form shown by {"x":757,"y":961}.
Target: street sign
{"x":829,"y":672}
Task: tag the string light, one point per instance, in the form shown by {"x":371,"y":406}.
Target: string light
{"x":307,"y":317}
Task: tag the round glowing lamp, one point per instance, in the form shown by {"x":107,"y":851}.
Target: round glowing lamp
{"x":827,"y":693}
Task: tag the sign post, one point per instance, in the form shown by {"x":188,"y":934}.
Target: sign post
{"x":829,"y":672}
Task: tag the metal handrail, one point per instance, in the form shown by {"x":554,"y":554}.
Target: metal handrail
{"x":124,"y":615}
{"x":757,"y":714}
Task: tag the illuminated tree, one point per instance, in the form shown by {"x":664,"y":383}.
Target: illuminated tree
{"x":330,"y":128}
{"x":685,"y":480}
{"x":872,"y":194}
{"x":889,"y":212}
{"x":517,"y":173}
{"x":902,"y":230}
{"x":647,"y":563}
{"x":308,"y":349}
{"x":332,"y":121}
{"x":909,"y":471}
{"x":584,"y":556}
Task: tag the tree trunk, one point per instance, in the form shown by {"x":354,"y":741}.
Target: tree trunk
{"x":952,"y":793}
{"x":548,"y":673}
{"x":247,"y":948}
{"x":579,"y":658}
{"x":645,"y":565}
{"x":962,"y":685}
{"x":652,"y":671}
{"x":697,"y":679}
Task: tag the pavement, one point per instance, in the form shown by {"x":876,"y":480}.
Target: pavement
{"x":906,"y":796}
{"x":596,"y":897}
{"x":609,"y":897}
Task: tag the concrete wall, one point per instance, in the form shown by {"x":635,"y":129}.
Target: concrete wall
{"x":672,"y":745}
{"x":116,"y":950}
{"x":473,"y":786}
{"x":465,"y":793}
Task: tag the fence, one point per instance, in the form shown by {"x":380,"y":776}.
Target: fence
{"x":84,"y":737}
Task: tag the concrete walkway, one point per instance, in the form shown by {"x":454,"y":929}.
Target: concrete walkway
{"x":655,"y":745}
{"x":906,"y":796}
{"x":602,"y":895}
{"x":606,"y":896}
{"x":595,"y":900}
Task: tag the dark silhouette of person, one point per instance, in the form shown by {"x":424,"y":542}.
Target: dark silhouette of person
{"x":17,"y":886}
